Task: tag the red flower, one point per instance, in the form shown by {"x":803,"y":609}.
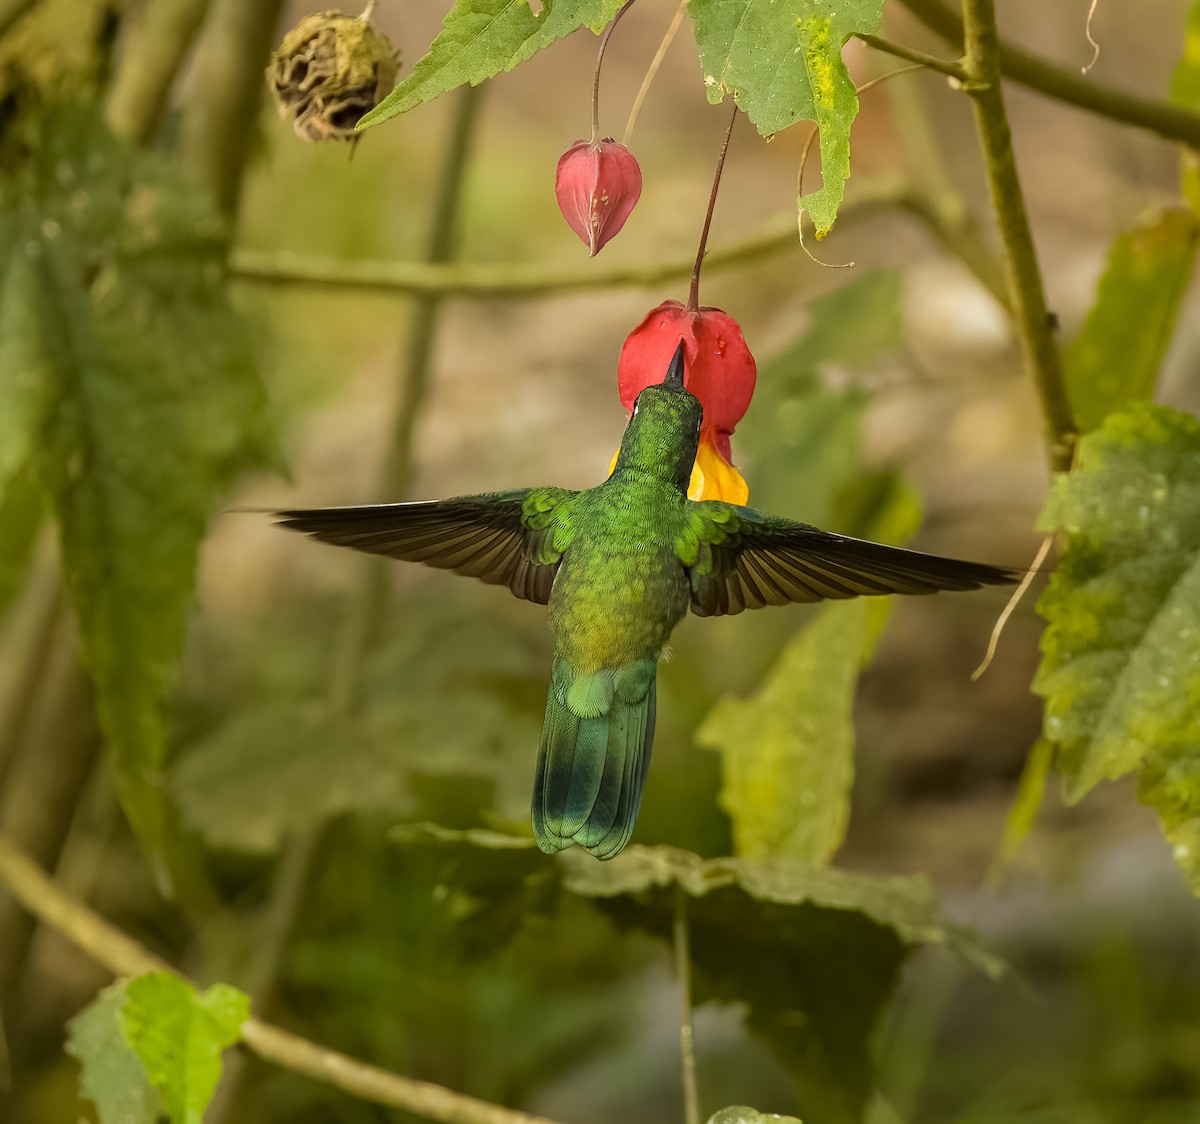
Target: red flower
{"x":718,"y":369}
{"x":597,"y":184}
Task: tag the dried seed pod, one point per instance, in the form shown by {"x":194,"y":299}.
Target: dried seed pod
{"x":328,"y":72}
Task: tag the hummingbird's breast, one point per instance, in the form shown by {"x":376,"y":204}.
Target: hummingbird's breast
{"x":621,"y":587}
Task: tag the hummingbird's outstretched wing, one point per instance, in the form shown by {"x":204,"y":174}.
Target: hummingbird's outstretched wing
{"x":738,"y":558}
{"x":502,"y":538}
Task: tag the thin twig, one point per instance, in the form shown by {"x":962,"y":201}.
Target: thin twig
{"x":368,"y":12}
{"x":921,"y":58}
{"x":1033,"y":322}
{"x":1087,"y":30}
{"x":367,"y":612}
{"x":687,"y":1035}
{"x":1017,"y":594}
{"x":123,"y":956}
{"x":524,"y":282}
{"x":1067,"y":85}
{"x":694,"y":291}
{"x":652,"y":70}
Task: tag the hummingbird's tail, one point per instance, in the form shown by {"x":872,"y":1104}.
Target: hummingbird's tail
{"x":593,"y":758}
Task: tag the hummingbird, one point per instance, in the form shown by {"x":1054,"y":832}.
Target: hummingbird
{"x":619,"y":565}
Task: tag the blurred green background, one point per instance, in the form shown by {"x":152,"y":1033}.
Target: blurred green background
{"x":896,"y":378}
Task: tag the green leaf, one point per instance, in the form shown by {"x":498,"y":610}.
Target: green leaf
{"x":179,"y":1034}
{"x":1117,"y":356}
{"x":739,"y":1114}
{"x":782,"y":62}
{"x":787,"y":753}
{"x":21,"y":514}
{"x":813,"y":952}
{"x":281,"y":768}
{"x":155,"y":405}
{"x":482,"y":38}
{"x":25,"y":395}
{"x":1120,"y":668}
{"x":111,"y":1077}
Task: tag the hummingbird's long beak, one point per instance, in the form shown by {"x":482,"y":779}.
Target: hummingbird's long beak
{"x":675,"y":370}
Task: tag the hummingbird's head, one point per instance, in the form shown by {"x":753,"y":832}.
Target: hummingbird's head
{"x":663,"y":433}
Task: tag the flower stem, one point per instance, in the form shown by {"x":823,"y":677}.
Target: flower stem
{"x":694,"y":292}
{"x":687,"y":1036}
{"x":600,"y":59}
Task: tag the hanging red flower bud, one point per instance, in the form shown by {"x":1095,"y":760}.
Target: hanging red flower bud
{"x":597,"y":184}
{"x":718,"y":369}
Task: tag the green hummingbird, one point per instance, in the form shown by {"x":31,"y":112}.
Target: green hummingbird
{"x":619,"y":565}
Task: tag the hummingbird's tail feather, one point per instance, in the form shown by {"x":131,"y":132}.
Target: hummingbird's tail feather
{"x":591,"y":769}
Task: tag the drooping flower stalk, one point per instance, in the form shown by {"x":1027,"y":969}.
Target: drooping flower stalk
{"x":694,"y":292}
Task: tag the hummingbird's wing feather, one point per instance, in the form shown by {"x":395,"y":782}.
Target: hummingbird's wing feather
{"x":502,"y":538}
{"x":741,"y":559}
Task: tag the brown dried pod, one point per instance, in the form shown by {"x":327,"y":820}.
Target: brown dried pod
{"x":328,"y":72}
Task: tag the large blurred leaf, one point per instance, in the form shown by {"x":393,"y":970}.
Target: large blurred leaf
{"x":111,"y":1076}
{"x":21,"y":514}
{"x":788,"y":752}
{"x":482,"y":38}
{"x":282,"y":768}
{"x":814,"y":952}
{"x":150,"y":404}
{"x":179,"y":1034}
{"x":803,"y":437}
{"x":442,"y":699}
{"x":1120,"y":668}
{"x":782,"y":62}
{"x":25,"y":308}
{"x":739,"y":1114}
{"x":1117,"y":356}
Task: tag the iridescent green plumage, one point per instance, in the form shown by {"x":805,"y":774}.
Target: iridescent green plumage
{"x":618,"y":565}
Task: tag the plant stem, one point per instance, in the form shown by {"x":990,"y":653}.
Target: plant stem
{"x":687,"y":1037}
{"x":694,"y":292}
{"x":600,"y":59}
{"x":395,"y":479}
{"x":217,"y":126}
{"x":1033,"y":321}
{"x":45,"y":594}
{"x":518,"y":282}
{"x":932,"y":62}
{"x":1066,"y":84}
{"x":42,"y":897}
{"x":54,"y":759}
{"x":156,"y":42}
{"x":368,"y":599}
